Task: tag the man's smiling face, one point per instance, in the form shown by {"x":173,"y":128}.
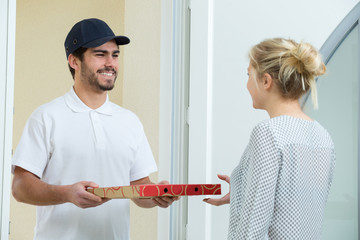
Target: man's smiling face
{"x":100,"y":65}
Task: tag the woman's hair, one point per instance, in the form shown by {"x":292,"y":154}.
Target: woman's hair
{"x":292,"y":65}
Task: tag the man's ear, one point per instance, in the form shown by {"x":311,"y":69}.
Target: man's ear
{"x":267,"y":81}
{"x":74,"y":62}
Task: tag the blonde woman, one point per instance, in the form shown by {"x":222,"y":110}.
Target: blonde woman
{"x":281,"y":185}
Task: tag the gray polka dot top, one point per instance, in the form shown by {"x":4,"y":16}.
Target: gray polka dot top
{"x":280,"y":187}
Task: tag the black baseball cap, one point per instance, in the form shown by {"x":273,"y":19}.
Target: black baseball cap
{"x":90,"y":33}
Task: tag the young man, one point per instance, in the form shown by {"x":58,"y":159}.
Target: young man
{"x":83,"y":140}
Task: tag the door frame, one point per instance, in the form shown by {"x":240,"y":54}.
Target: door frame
{"x":7,"y":67}
{"x":174,"y":102}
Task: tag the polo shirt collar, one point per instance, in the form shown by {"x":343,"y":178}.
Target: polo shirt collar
{"x":76,"y":105}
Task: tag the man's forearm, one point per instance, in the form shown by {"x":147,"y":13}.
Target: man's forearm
{"x":28,"y":188}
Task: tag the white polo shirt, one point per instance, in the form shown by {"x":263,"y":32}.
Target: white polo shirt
{"x":65,"y":142}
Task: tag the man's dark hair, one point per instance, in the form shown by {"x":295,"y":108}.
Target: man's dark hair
{"x":79,"y":53}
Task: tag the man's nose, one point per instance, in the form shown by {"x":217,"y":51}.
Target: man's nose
{"x":111,"y":61}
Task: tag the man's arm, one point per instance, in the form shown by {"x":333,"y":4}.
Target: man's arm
{"x":29,"y":188}
{"x":163,"y":202}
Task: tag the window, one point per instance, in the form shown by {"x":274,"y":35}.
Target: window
{"x":338,"y":112}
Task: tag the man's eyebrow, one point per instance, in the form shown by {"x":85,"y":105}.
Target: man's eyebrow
{"x":105,"y":51}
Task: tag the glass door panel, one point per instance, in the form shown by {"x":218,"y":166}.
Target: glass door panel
{"x":338,"y":93}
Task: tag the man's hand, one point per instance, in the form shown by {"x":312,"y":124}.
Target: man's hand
{"x":220,"y":201}
{"x":164,"y":202}
{"x":78,"y":195}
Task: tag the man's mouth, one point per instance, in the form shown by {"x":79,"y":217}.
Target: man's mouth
{"x":107,"y":73}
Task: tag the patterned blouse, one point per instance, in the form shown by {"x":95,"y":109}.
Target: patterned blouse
{"x":281,"y":185}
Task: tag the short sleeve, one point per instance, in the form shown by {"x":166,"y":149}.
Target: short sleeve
{"x":31,"y":153}
{"x":144,"y":162}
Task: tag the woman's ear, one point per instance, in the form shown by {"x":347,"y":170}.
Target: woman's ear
{"x":74,"y":62}
{"x":267,"y":81}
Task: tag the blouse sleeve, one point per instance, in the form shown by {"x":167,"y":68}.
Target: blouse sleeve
{"x":259,"y":177}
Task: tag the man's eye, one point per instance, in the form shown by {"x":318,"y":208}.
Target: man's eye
{"x":100,"y":55}
{"x":116,"y":56}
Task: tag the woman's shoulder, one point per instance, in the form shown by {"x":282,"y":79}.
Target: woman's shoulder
{"x":287,"y":129}
{"x":262,"y":130}
{"x":280,"y":128}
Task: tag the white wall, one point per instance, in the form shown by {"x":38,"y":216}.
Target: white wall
{"x":222,"y":116}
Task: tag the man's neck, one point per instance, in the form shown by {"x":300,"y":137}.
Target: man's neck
{"x":92,"y":99}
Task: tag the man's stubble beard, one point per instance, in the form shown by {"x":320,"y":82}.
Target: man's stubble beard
{"x":92,"y":79}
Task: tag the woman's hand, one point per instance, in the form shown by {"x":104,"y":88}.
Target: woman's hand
{"x":220,"y":201}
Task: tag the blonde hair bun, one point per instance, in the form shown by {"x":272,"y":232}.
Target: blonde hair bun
{"x":294,"y":66}
{"x":306,"y":59}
